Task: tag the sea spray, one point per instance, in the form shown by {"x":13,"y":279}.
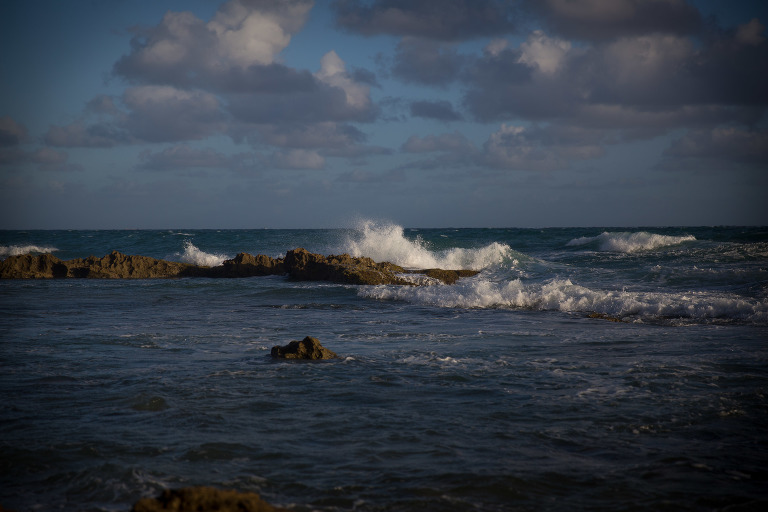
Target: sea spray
{"x":627,"y":242}
{"x":200,"y":258}
{"x":20,"y":250}
{"x":563,"y":295}
{"x":387,"y":242}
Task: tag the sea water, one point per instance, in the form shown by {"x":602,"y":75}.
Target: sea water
{"x":581,"y":369}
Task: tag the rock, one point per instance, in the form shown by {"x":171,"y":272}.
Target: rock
{"x":117,"y":265}
{"x":247,"y":265}
{"x":308,"y":348}
{"x":603,"y":316}
{"x":28,"y":266}
{"x":299,"y":264}
{"x":448,"y":276}
{"x":204,"y":499}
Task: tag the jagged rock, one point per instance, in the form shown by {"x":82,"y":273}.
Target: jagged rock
{"x":117,"y":265}
{"x":247,"y":265}
{"x":299,"y":264}
{"x":308,"y":348}
{"x":448,"y":276}
{"x":204,"y":499}
{"x":306,"y":266}
{"x":28,"y":266}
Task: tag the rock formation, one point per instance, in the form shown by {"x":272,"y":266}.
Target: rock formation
{"x":204,"y":499}
{"x":308,"y":348}
{"x":298,"y":264}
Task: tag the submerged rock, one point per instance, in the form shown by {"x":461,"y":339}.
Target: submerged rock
{"x":308,"y":348}
{"x":204,"y":499}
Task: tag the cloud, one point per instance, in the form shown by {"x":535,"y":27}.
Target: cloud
{"x":439,"y":110}
{"x":600,"y":20}
{"x":11,"y":132}
{"x":184,"y":157}
{"x":447,"y":20}
{"x":722,"y":147}
{"x":447,"y":142}
{"x":297,"y":159}
{"x":370,"y":177}
{"x":183,"y":49}
{"x":657,"y":81}
{"x":426,"y":62}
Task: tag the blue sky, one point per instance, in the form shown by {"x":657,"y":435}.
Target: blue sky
{"x":463,"y":113}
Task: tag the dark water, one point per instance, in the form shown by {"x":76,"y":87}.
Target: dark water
{"x":498,"y":393}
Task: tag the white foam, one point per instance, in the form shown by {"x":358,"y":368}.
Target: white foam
{"x":563,"y":295}
{"x":19,"y":250}
{"x":627,"y":242}
{"x":387,"y":242}
{"x":195,"y":256}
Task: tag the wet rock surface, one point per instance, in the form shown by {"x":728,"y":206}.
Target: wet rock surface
{"x":308,"y":348}
{"x":298,"y":264}
{"x":204,"y":499}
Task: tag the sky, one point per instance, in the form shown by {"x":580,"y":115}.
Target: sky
{"x":153,"y":114}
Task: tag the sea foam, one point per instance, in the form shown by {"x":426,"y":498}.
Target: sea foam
{"x":387,"y":242}
{"x":563,"y":295}
{"x":19,"y":250}
{"x":627,"y":242}
{"x":195,"y":256}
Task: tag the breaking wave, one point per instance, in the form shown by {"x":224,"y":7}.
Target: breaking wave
{"x":387,"y":242}
{"x":563,"y":295}
{"x":630,"y":242}
{"x":20,"y":250}
{"x":200,"y":258}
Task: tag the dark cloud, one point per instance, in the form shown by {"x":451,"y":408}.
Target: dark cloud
{"x":11,"y":132}
{"x":426,"y":62}
{"x":82,"y":134}
{"x":600,"y":20}
{"x":447,"y":142}
{"x":721,"y":147}
{"x":438,"y":110}
{"x":447,"y":20}
{"x":644,"y":85}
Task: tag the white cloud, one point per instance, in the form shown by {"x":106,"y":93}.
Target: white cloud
{"x":333,"y":72}
{"x":547,"y":54}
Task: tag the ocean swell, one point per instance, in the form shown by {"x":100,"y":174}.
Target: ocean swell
{"x":627,"y":242}
{"x":563,"y":295}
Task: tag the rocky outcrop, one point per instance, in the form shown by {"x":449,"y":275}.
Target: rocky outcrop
{"x":298,"y":264}
{"x":308,"y":348}
{"x":205,"y":499}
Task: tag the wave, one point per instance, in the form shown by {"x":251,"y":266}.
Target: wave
{"x":563,"y":295}
{"x":20,"y":250}
{"x":627,"y":242}
{"x":200,"y":258}
{"x":387,"y":242}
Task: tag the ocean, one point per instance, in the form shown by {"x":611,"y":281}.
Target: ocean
{"x":609,"y":368}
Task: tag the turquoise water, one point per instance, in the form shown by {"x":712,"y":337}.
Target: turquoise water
{"x":498,"y":393}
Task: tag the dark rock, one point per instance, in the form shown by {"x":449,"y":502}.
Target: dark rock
{"x":308,"y":348}
{"x":448,"y":276}
{"x":247,"y":265}
{"x":205,"y":499}
{"x":299,"y":264}
{"x":603,"y":316}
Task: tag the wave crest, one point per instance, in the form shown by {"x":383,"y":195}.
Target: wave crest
{"x":20,"y":250}
{"x":200,"y":258}
{"x":387,"y":242}
{"x":627,"y":242}
{"x":563,"y":295}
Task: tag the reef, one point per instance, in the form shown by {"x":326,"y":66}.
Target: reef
{"x":196,"y":499}
{"x":308,"y":348}
{"x":298,"y":264}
